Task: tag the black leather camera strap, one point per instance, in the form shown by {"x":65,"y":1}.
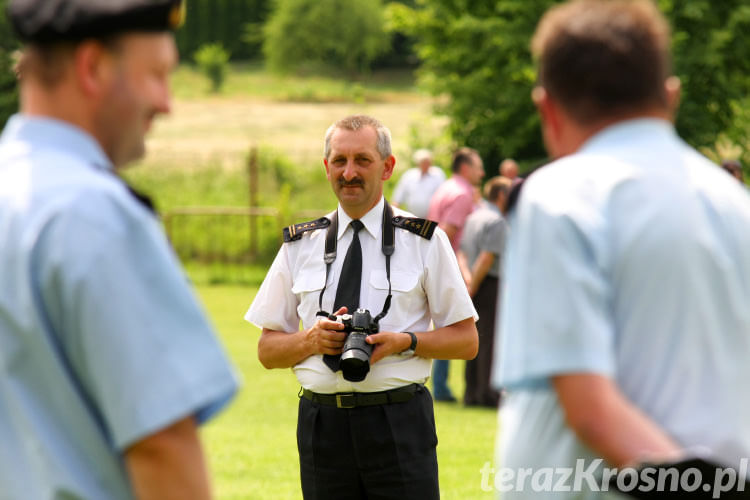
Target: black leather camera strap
{"x":388,"y":247}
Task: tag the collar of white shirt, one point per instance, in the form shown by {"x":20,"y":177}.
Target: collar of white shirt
{"x":372,"y":220}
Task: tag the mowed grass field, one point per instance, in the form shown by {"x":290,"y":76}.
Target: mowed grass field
{"x":252,"y":447}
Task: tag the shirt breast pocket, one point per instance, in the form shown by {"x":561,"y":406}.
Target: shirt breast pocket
{"x":405,"y":288}
{"x":307,"y":286}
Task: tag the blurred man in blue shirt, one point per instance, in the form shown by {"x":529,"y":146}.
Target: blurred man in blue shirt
{"x":625,"y":326}
{"x":107,"y":363}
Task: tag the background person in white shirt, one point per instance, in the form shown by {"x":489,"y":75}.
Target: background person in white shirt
{"x":417,"y":185}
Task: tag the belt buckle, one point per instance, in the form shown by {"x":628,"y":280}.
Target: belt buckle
{"x":347,"y":400}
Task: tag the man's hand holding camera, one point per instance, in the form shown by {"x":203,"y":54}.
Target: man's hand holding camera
{"x":387,"y":343}
{"x":326,"y":336}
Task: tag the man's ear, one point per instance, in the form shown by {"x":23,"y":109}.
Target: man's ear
{"x":673,"y":88}
{"x":328,"y":173}
{"x":93,"y":68}
{"x":390,"y":162}
{"x":549,"y":114}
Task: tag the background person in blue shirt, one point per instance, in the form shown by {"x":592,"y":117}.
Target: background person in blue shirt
{"x":107,"y":363}
{"x":625,"y":326}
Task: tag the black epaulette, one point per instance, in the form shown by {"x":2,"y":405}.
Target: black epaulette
{"x":295,"y":231}
{"x":422,"y":227}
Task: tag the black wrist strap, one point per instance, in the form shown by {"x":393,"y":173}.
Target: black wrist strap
{"x":413,"y":344}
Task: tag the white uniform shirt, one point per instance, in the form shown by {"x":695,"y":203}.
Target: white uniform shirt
{"x":629,"y":259}
{"x":426,"y":286}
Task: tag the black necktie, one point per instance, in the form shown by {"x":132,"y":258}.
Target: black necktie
{"x":350,"y":280}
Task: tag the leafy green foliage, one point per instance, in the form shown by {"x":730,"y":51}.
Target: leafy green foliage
{"x":221,"y":21}
{"x":8,"y":83}
{"x":213,"y":61}
{"x":313,"y":35}
{"x":476,"y":53}
{"x":712,"y":59}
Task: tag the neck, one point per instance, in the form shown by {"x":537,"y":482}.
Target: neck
{"x":359,"y":212}
{"x":55,"y":103}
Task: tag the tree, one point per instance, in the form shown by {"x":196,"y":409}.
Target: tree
{"x":323,"y":34}
{"x":8,"y":82}
{"x":476,"y":54}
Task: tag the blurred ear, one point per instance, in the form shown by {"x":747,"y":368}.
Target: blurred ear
{"x":390,"y":162}
{"x":94,"y":68}
{"x":673,"y":88}
{"x":328,"y":173}
{"x":550,"y":116}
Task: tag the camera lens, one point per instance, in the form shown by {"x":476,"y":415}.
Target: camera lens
{"x":355,"y":357}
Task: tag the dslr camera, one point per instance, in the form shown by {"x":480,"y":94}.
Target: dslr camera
{"x":355,"y":355}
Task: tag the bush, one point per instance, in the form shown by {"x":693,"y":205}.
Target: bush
{"x":213,"y":61}
{"x":304,"y":35}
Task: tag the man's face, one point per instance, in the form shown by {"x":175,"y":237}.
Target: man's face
{"x":356,"y":170}
{"x":137,"y":90}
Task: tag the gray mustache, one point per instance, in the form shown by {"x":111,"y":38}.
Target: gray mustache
{"x":351,"y":183}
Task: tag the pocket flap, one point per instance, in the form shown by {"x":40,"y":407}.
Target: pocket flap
{"x":400,"y":281}
{"x":308,"y":282}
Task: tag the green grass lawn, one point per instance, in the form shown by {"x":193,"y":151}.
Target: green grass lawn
{"x":252,"y":446}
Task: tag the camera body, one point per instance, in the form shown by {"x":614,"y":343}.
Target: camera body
{"x":355,"y":355}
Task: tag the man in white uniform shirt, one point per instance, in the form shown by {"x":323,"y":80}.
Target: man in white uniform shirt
{"x":625,"y":331}
{"x":373,"y":438}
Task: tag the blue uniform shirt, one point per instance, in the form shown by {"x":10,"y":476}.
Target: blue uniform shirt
{"x":629,"y":259}
{"x":102,"y":342}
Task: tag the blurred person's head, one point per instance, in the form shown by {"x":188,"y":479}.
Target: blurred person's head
{"x":734,"y":167}
{"x":496,"y":191}
{"x":98,"y":65}
{"x":601,"y":62}
{"x":468,"y":164}
{"x":423,"y":159}
{"x":509,"y":168}
{"x":358,"y":160}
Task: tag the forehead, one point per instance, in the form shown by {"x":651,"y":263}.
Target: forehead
{"x":345,"y":141}
{"x":149,"y":48}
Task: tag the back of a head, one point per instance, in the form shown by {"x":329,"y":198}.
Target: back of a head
{"x":496,"y":186}
{"x":599,"y":58}
{"x":462,"y":156}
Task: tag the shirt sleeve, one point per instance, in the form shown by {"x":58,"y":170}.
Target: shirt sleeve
{"x":138,"y":342}
{"x":556,"y":299}
{"x":447,"y":296}
{"x":275,"y":305}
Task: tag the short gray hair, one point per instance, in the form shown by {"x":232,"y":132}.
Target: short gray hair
{"x":358,"y":122}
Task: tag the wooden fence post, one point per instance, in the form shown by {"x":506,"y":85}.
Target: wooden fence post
{"x":252,"y":166}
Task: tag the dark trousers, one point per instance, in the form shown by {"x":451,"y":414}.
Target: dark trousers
{"x":479,"y":390}
{"x":370,"y":452}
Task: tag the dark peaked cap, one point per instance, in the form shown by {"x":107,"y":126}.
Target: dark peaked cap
{"x":49,"y":21}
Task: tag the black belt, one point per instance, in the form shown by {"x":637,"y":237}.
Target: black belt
{"x":354,"y":399}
